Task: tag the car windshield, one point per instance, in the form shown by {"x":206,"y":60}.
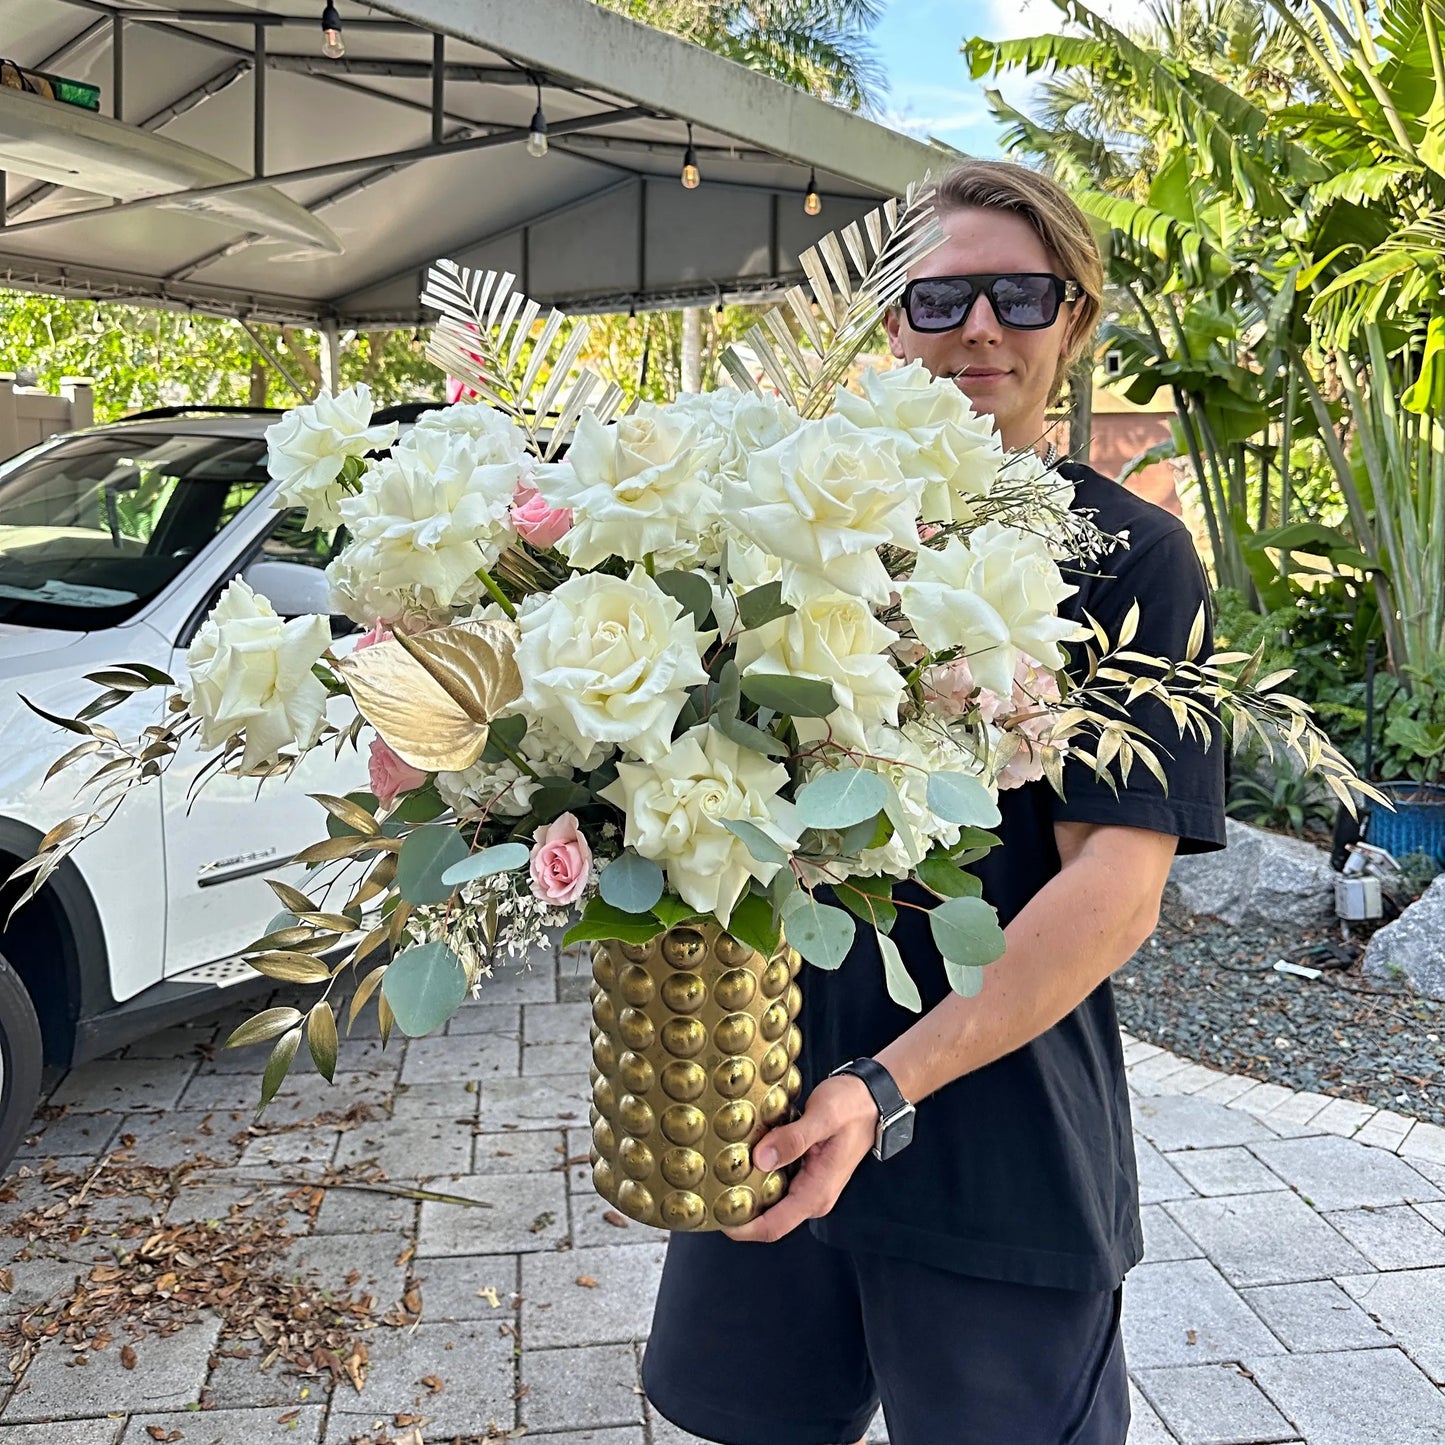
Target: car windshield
{"x":93,"y":527}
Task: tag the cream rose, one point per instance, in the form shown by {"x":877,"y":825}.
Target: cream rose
{"x":993,"y":597}
{"x":249,"y":670}
{"x":426,"y":519}
{"x":836,"y":639}
{"x":823,"y":500}
{"x":308,"y":447}
{"x":494,"y":435}
{"x":940,"y":439}
{"x":676,"y":807}
{"x":643,"y":485}
{"x":609,"y":660}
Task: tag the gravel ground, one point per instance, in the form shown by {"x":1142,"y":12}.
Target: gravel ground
{"x":1209,"y":992}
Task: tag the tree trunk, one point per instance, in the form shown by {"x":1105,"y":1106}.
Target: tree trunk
{"x":692,"y":319}
{"x":258,"y":382}
{"x":1081,"y":409}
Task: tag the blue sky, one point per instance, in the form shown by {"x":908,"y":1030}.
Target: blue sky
{"x":930,"y":92}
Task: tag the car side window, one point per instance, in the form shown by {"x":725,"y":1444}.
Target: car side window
{"x":290,"y":541}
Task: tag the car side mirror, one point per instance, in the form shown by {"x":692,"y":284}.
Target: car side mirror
{"x":295,"y":590}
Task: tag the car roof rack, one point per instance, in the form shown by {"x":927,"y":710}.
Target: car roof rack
{"x":162,"y":413}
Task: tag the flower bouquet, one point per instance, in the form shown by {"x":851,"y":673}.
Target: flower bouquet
{"x":702,"y":682}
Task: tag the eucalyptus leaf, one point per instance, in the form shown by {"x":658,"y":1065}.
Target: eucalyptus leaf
{"x":754,"y":922}
{"x":425,"y":856}
{"x":872,"y":832}
{"x":509,"y":730}
{"x":943,"y":876}
{"x":762,"y":605}
{"x":557,"y":796}
{"x":758,"y":843}
{"x":631,"y":883}
{"x":424,"y":985}
{"x":841,"y":798}
{"x":745,"y":735}
{"x":500,"y":858}
{"x":966,"y":931}
{"x":690,"y":589}
{"x":790,"y":696}
{"x":725,"y":696}
{"x":781,"y":887}
{"x":961,"y":798}
{"x":901,"y":987}
{"x":871,"y":899}
{"x":963,"y":979}
{"x":420,"y":806}
{"x":821,"y":933}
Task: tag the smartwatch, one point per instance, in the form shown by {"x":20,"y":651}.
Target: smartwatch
{"x":895,"y":1114}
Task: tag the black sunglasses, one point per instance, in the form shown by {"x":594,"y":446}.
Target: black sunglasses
{"x":1022,"y":300}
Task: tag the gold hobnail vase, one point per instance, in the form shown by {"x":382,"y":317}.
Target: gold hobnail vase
{"x":695,"y":1046}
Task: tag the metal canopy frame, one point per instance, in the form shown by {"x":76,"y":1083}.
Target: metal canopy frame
{"x":424,"y":123}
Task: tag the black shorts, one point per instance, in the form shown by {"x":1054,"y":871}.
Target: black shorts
{"x":794,"y":1343}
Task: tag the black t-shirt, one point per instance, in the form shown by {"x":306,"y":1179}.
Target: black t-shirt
{"x":1024,"y":1170}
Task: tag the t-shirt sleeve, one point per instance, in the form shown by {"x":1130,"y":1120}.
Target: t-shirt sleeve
{"x":1168,"y":581}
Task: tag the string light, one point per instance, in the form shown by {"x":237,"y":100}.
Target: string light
{"x":691,"y":176}
{"x":537,"y":135}
{"x":333,"y":47}
{"x":812,"y":201}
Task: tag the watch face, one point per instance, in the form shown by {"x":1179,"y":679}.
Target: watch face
{"x":897,"y":1135}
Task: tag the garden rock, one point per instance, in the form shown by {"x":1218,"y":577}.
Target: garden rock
{"x":1414,"y":944}
{"x":1259,"y":878}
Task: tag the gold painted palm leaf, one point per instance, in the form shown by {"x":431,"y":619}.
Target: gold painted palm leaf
{"x":854,"y":275}
{"x":488,"y":337}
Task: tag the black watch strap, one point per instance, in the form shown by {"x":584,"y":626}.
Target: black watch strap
{"x":895,"y":1113}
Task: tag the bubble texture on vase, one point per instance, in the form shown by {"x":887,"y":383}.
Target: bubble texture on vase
{"x":694,"y":1057}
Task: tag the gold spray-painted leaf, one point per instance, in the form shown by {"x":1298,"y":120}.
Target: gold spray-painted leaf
{"x":433,"y":697}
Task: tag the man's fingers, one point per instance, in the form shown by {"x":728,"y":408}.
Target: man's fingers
{"x":806,"y":1199}
{"x":787,"y":1143}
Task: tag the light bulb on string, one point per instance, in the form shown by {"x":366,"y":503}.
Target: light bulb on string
{"x":537,"y":134}
{"x":333,"y":47}
{"x":691,"y":176}
{"x":812,"y":201}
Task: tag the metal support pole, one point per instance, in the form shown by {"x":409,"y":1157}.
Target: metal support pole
{"x":4,"y":208}
{"x":330,"y":355}
{"x":641,"y":235}
{"x":438,"y":87}
{"x":773,"y":236}
{"x":258,"y":96}
{"x":117,"y":68}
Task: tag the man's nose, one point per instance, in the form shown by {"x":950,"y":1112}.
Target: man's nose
{"x":981,"y":326}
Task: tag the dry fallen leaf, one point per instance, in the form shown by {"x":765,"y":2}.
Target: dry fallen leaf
{"x":7,"y":1281}
{"x":1191,"y":1337}
{"x":490,"y":1295}
{"x":615,"y":1219}
{"x":127,"y":1356}
{"x":586,"y":1281}
{"x":434,"y":1383}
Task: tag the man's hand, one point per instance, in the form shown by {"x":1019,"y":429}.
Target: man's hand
{"x":834,"y":1133}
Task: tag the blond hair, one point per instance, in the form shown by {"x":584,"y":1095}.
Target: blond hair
{"x":1060,"y":224}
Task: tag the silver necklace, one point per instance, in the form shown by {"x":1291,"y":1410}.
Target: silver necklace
{"x":1051,"y":455}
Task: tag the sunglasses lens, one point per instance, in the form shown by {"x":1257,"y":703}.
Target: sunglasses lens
{"x":1025,"y":301}
{"x":938,"y":303}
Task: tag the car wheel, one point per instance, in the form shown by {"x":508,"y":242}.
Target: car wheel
{"x":21,"y":1059}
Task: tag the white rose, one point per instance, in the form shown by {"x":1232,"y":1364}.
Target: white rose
{"x":308,"y":447}
{"x":609,"y":660}
{"x":836,"y":639}
{"x":823,"y":500}
{"x":250,"y":670}
{"x":993,"y":597}
{"x":940,"y":439}
{"x":643,"y":485}
{"x":496,"y":437}
{"x":426,"y":519}
{"x":676,"y":807}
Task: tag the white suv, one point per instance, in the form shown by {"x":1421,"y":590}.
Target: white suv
{"x":114,"y":543}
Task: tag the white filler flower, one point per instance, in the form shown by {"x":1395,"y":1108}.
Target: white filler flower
{"x":250,"y":669}
{"x":426,"y":519}
{"x":939,"y":437}
{"x":995,"y":596}
{"x":676,"y":807}
{"x":643,"y":485}
{"x":308,"y":447}
{"x":823,"y":500}
{"x":609,"y":660}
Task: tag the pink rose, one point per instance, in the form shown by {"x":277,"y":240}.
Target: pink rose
{"x":950,"y":691}
{"x":390,"y":776}
{"x":380,"y":633}
{"x":561,"y":861}
{"x":535,"y":521}
{"x":1035,"y":694}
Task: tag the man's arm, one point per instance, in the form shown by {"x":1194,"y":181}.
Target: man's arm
{"x":1083,"y":924}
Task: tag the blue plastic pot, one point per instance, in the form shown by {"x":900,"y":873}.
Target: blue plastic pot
{"x":1416,"y":826}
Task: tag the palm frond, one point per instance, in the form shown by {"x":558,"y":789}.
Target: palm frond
{"x":836,"y":313}
{"x":485,"y":338}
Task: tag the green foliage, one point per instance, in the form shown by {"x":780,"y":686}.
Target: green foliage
{"x":1287,"y":802}
{"x":1415,"y":730}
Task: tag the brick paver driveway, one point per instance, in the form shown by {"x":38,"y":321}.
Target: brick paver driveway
{"x":1294,"y":1287}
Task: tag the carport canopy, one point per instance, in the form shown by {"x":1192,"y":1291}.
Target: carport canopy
{"x":409,"y":147}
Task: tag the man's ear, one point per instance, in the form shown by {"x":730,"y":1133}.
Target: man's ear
{"x":892,"y":324}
